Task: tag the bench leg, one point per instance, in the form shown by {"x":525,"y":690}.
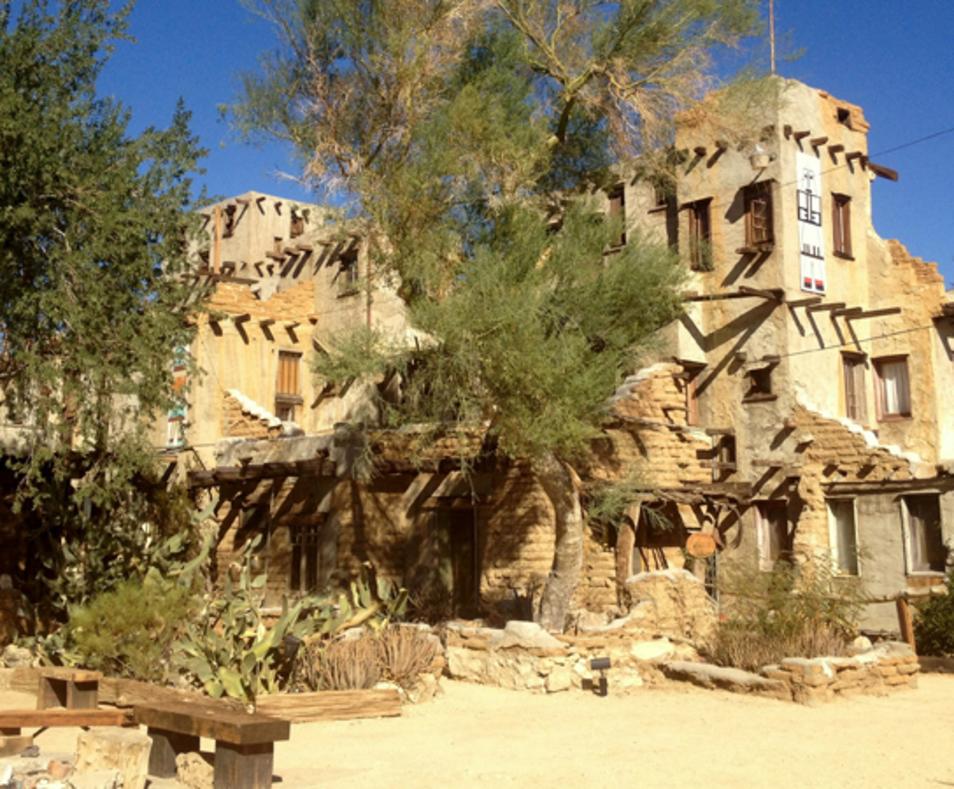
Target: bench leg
{"x":82,"y":695}
{"x":243,"y":766}
{"x":51,"y":693}
{"x":166,"y":745}
{"x":14,"y":744}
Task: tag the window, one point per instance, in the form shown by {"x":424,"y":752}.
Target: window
{"x":617,"y":212}
{"x":297,"y":223}
{"x":306,"y":557}
{"x":347,"y":277}
{"x":757,"y":199}
{"x":700,"y":237}
{"x":774,"y":540}
{"x":843,"y":536}
{"x":843,"y":115}
{"x":841,"y":224}
{"x":853,"y":369}
{"x":893,"y":392}
{"x":924,"y":547}
{"x":287,"y":392}
{"x":690,"y":378}
{"x":759,"y":382}
{"x":229,"y":229}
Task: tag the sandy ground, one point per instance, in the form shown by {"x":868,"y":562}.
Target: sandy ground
{"x":478,"y":736}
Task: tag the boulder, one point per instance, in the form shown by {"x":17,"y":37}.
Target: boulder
{"x":559,"y":679}
{"x":859,"y":645}
{"x":125,"y":751}
{"x":732,"y":679}
{"x":656,"y":649}
{"x":193,"y":771}
{"x":17,"y":657}
{"x":528,"y":634}
{"x":672,"y":602}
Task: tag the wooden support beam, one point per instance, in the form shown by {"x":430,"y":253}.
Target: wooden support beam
{"x":845,"y":311}
{"x":773,"y":294}
{"x":266,"y":322}
{"x":800,"y":135}
{"x":692,"y":296}
{"x":875,"y":313}
{"x":787,"y":130}
{"x":289,"y":250}
{"x":291,"y":325}
{"x":883,"y":172}
{"x":833,"y":149}
{"x":853,"y":155}
{"x":806,"y":302}
{"x":304,"y":247}
{"x":241,"y":318}
{"x":817,"y":142}
{"x":275,"y":256}
{"x":722,"y":145}
{"x":243,"y":201}
{"x":835,"y":305}
{"x":700,"y":150}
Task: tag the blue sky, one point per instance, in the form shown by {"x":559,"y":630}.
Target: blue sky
{"x":894,"y":58}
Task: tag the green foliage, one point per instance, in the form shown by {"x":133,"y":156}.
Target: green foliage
{"x":789,"y":612}
{"x":130,"y":630}
{"x":233,"y":649}
{"x":94,"y":224}
{"x":934,"y":623}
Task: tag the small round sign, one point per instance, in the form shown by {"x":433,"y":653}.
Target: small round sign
{"x":700,"y":546}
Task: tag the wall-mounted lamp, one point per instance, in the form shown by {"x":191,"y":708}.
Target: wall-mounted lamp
{"x":759,"y":158}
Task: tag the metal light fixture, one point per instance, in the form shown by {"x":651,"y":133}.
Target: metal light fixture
{"x":601,"y":664}
{"x":759,"y":158}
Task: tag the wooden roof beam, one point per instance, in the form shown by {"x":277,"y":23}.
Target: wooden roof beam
{"x":879,"y":313}
{"x":817,"y":142}
{"x":806,"y":302}
{"x":800,"y":135}
{"x":845,"y":311}
{"x":835,"y":305}
{"x":700,"y":150}
{"x":854,"y":155}
{"x":773,"y":294}
{"x":720,"y":296}
{"x":883,"y":172}
{"x":833,"y":149}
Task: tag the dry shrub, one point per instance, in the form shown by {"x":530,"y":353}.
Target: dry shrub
{"x":398,"y":654}
{"x":346,"y":664}
{"x":789,"y":612}
{"x":405,"y":653}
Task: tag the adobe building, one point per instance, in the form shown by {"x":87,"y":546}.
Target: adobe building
{"x":795,"y":411}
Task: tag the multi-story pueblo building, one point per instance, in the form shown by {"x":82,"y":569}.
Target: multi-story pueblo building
{"x":798,"y":408}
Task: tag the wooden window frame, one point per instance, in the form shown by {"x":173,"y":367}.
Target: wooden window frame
{"x":700,"y":234}
{"x":759,"y":235}
{"x":849,"y":359}
{"x":833,"y":535}
{"x":881,"y":414}
{"x":763,"y":521}
{"x":348,"y":274}
{"x":841,"y":226}
{"x":907,"y":534}
{"x":760,"y":386}
{"x":288,"y":401}
{"x":305,"y":538}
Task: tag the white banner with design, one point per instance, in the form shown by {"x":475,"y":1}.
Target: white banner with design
{"x":811,"y":242}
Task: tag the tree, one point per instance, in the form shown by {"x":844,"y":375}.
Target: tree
{"x":469,"y":136}
{"x":93,"y":235}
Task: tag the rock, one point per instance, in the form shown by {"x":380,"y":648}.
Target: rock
{"x":672,"y":602}
{"x":97,"y":779}
{"x":559,"y":679}
{"x":590,"y":621}
{"x":656,"y":649}
{"x":625,"y":680}
{"x":733,"y":679}
{"x":859,"y":645}
{"x":528,"y":634}
{"x":59,"y":769}
{"x":17,"y":657}
{"x":194,"y":771}
{"x":125,"y":751}
{"x":425,"y":689}
{"x":30,"y":752}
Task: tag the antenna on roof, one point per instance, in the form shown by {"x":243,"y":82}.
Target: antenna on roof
{"x":772,"y":34}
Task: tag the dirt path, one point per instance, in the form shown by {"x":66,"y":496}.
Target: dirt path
{"x":478,"y":736}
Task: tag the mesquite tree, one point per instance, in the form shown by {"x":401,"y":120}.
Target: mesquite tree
{"x":93,"y":232}
{"x":469,"y":137}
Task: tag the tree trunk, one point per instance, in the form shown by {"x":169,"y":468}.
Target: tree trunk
{"x":562,"y":487}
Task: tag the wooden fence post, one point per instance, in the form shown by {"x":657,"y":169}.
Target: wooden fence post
{"x":906,"y":621}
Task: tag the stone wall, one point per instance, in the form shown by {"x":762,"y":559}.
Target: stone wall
{"x":889,"y":666}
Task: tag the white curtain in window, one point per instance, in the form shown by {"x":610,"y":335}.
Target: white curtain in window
{"x":894,"y":380}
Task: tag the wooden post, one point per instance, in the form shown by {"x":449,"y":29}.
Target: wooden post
{"x":243,"y":766}
{"x":906,"y":621}
{"x":166,"y":745}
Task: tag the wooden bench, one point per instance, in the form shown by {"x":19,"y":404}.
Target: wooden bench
{"x":71,"y":688}
{"x":244,"y":742}
{"x":12,"y":722}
